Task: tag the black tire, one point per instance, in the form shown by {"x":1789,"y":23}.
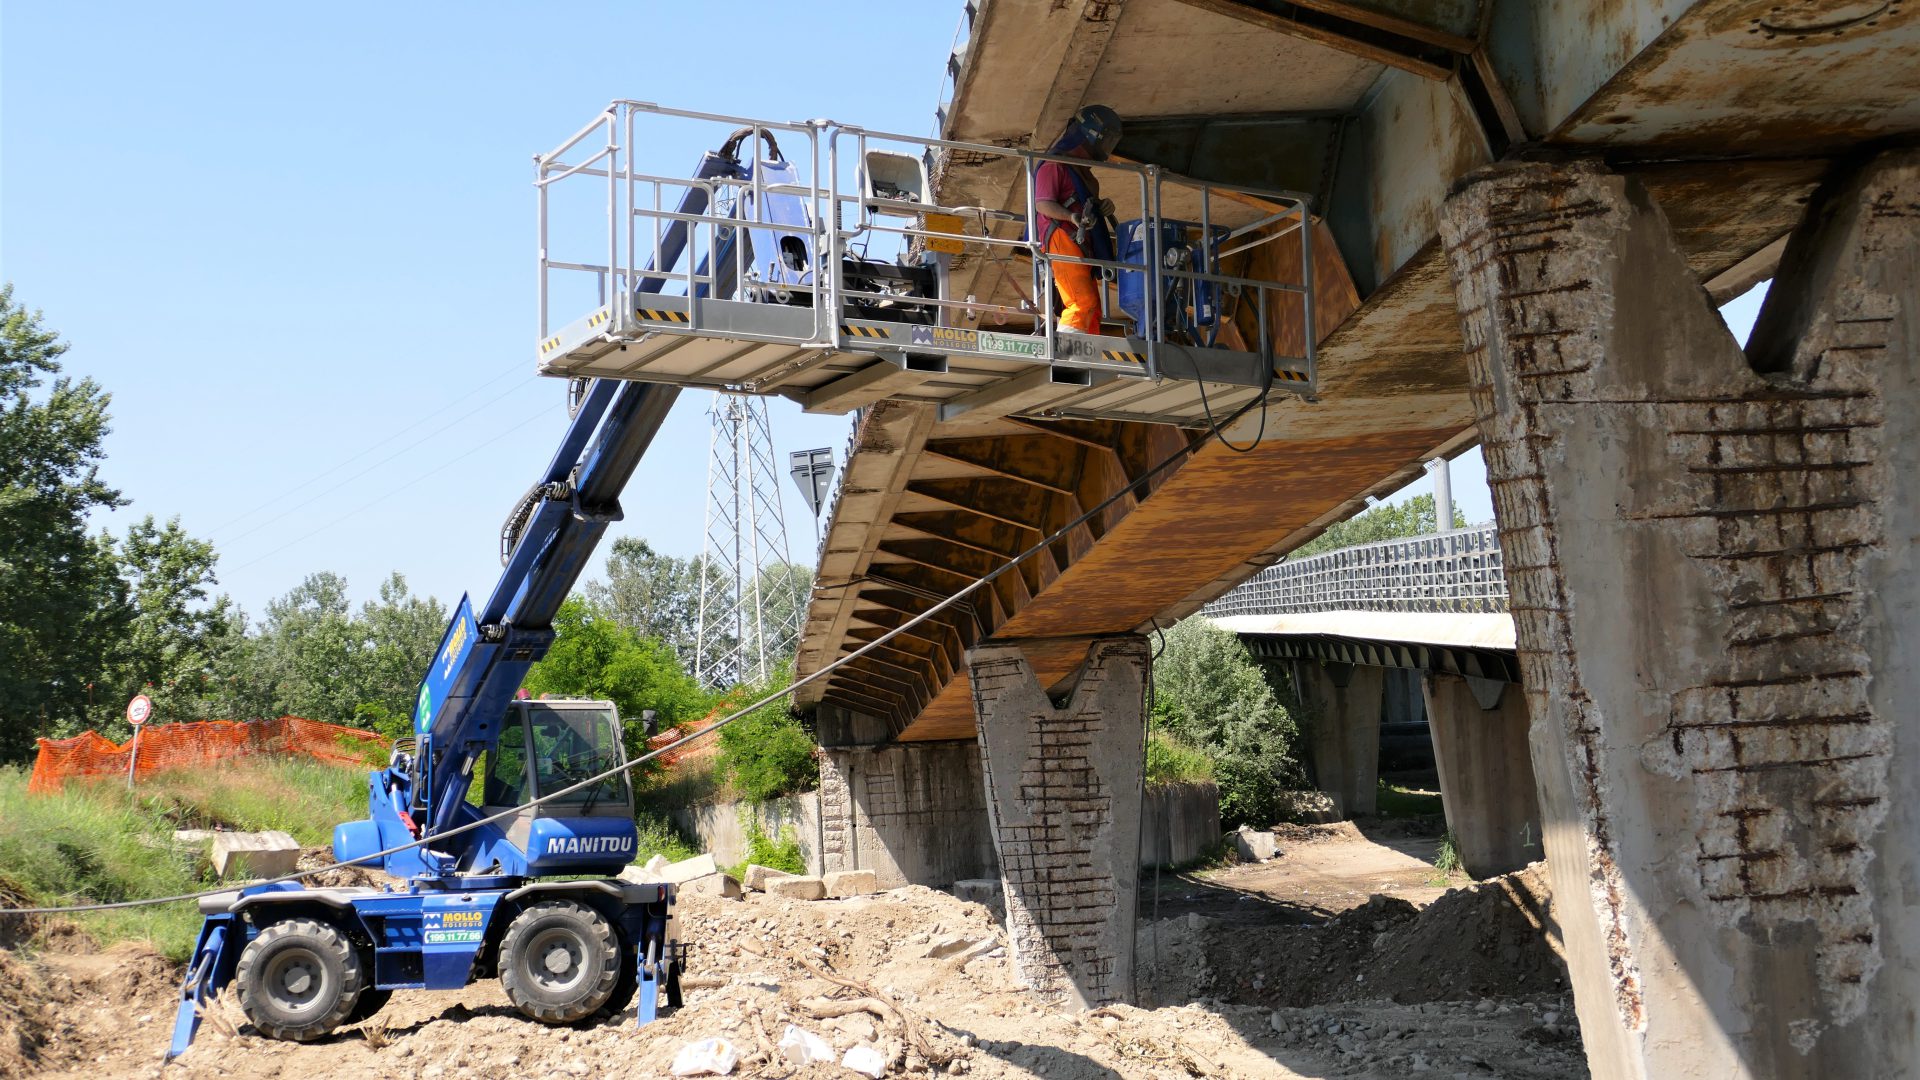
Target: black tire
{"x":559,"y":961}
{"x":371,"y":1001}
{"x":299,"y":979}
{"x":624,"y":990}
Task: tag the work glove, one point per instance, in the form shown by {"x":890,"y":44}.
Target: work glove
{"x":1103,"y":208}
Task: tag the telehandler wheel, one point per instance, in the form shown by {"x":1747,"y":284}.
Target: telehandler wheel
{"x":624,"y":989}
{"x":559,"y":961}
{"x":299,"y":979}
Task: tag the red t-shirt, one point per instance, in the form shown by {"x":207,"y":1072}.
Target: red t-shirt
{"x":1052,"y":183}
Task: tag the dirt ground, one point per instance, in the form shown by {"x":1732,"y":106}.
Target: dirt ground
{"x":1337,"y":959}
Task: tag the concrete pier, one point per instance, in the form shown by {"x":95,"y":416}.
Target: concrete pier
{"x":1343,"y":705}
{"x":1063,"y":798}
{"x":1712,"y":562}
{"x":1481,"y":751}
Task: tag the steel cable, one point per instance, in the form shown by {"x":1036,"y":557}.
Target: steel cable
{"x":367,"y":860}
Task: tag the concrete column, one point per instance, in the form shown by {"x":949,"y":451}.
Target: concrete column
{"x":1715,"y":586}
{"x":1486,"y":771}
{"x":913,"y":813}
{"x":1063,"y":798}
{"x":1343,"y":702}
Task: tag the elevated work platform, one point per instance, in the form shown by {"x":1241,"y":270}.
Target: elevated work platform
{"x":732,"y":279}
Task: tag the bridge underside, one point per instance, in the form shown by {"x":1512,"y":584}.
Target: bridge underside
{"x":1727,"y":113}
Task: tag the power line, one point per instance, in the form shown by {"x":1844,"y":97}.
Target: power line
{"x":1128,"y":490}
{"x":448,"y":426}
{"x":390,"y":492}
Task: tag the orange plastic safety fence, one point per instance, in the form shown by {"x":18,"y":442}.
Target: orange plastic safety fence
{"x":174,"y":746}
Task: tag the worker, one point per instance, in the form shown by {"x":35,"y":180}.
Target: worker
{"x":1074,"y":216}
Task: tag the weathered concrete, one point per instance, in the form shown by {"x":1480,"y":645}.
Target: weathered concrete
{"x":1486,"y":772}
{"x":913,"y":813}
{"x":1343,"y":706}
{"x":844,"y":883}
{"x":1716,"y":590}
{"x":759,"y":877}
{"x":797,"y":888}
{"x":1178,"y":824}
{"x":1253,"y":845}
{"x":254,"y":854}
{"x":720,"y":828}
{"x":1063,"y":795}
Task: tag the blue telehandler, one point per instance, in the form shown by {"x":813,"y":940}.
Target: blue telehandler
{"x":476,"y":902}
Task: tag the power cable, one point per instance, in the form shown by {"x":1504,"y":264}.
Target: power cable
{"x":441,"y":430}
{"x":388,"y":494}
{"x":988,"y":578}
{"x":518,"y":365}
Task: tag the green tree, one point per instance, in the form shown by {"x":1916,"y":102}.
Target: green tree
{"x":177,"y":635}
{"x":767,"y":754}
{"x":1210,"y":694}
{"x":656,"y":595}
{"x":311,"y":653}
{"x":1388,"y":521}
{"x":784,"y":589}
{"x":63,"y":607}
{"x":400,"y":633}
{"x":595,"y":655}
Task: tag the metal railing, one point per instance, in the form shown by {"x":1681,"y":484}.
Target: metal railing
{"x":1459,"y":571}
{"x":641,"y":247}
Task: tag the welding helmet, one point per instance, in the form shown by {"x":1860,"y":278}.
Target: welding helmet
{"x":1095,"y":127}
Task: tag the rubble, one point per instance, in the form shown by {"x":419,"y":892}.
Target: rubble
{"x":797,"y":888}
{"x":845,"y":883}
{"x":254,"y":854}
{"x":757,"y":876}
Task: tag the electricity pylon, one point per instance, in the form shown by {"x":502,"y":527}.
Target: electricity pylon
{"x":749,"y":618}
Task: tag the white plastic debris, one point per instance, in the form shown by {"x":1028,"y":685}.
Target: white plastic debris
{"x":866,"y":1061}
{"x":803,"y":1047}
{"x":708,"y":1057}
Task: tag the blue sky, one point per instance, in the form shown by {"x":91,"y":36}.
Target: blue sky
{"x":289,"y":238}
{"x":296,"y":244}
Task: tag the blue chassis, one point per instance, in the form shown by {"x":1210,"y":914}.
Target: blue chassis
{"x":430,"y":938}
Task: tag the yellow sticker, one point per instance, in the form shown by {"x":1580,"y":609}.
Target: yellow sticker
{"x":946,"y":223}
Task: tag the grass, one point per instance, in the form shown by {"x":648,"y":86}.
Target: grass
{"x":98,"y":843}
{"x":659,"y":836}
{"x":1397,"y":801}
{"x":1446,"y":861}
{"x":1170,"y":761}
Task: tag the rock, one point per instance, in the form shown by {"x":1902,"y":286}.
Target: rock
{"x":254,"y":854}
{"x":1252,"y":845}
{"x":687,"y":869}
{"x":845,"y":883}
{"x":797,"y":888}
{"x":950,"y":945}
{"x":758,"y":876}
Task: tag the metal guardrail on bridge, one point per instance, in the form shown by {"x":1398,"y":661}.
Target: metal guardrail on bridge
{"x":1447,"y":572}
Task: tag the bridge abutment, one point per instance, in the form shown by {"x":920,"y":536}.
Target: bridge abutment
{"x":1481,"y":751}
{"x":1063,"y":801}
{"x":1711,"y":556}
{"x":1343,"y":702}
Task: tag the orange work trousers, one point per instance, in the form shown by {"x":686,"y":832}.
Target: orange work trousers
{"x":1079,"y":285}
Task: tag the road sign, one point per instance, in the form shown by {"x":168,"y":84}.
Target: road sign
{"x":813,"y":475}
{"x":139,"y":709}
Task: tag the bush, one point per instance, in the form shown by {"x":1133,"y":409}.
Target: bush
{"x":1170,"y":761}
{"x":1210,"y":695}
{"x":763,"y":850}
{"x":767,"y":754}
{"x":660,"y":836}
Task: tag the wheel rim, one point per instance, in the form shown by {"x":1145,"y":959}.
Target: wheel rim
{"x":297,"y":982}
{"x":556,"y":960}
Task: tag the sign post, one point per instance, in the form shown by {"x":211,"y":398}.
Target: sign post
{"x":138,"y":710}
{"x":813,"y":475}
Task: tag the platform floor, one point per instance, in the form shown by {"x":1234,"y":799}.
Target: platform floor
{"x":729,"y":344}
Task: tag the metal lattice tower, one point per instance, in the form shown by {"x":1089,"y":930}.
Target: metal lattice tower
{"x":749,"y":616}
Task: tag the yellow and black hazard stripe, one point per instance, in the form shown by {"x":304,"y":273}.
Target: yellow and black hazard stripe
{"x":862,"y":331}
{"x":662,"y":315}
{"x":1285,"y":375}
{"x":598,"y":317}
{"x":1120,"y":356}
{"x":549,"y":345}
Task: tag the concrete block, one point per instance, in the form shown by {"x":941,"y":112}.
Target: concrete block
{"x":716,"y":884}
{"x":254,"y":854}
{"x":688,"y":869}
{"x":758,"y":876}
{"x":844,"y":883}
{"x":1252,"y":845}
{"x":797,"y":888}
